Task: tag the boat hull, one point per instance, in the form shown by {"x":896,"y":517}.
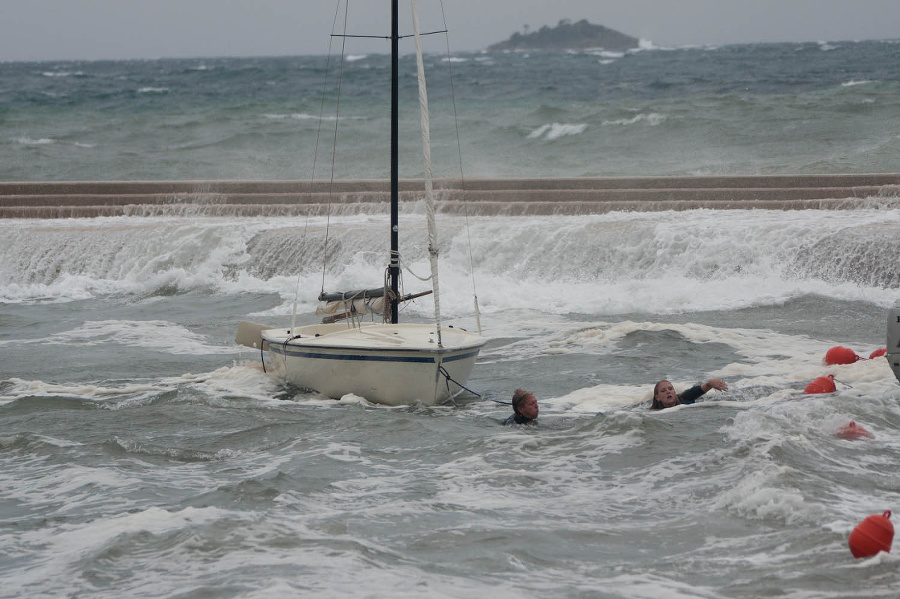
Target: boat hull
{"x":391,"y":364}
{"x":893,"y":339}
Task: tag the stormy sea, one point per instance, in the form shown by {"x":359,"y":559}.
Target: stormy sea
{"x":144,"y":454}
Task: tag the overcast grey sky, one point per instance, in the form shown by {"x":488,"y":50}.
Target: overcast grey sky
{"x":120,"y":29}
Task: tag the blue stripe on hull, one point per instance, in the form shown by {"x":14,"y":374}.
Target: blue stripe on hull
{"x":366,"y":358}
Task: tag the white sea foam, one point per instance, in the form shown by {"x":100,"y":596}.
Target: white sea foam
{"x":70,"y":543}
{"x":606,"y":54}
{"x":153,"y":90}
{"x":853,"y":83}
{"x":556,"y":130}
{"x":27,"y":141}
{"x":653,"y":119}
{"x":156,"y":335}
{"x":68,"y":489}
{"x":762,"y":494}
{"x":614,"y":263}
{"x":236,"y":383}
{"x":228,"y":386}
{"x":46,"y":141}
{"x":20,"y":388}
{"x":599,"y":399}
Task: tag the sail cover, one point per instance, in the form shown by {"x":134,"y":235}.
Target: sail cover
{"x":353,"y":303}
{"x":426,"y":158}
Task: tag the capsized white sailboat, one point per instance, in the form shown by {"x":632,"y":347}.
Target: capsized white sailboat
{"x":385,"y":362}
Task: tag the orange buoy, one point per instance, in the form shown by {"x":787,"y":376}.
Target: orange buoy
{"x":878,"y":353}
{"x":840,"y":355}
{"x":874,"y":534}
{"x":852,"y":432}
{"x":823,"y":384}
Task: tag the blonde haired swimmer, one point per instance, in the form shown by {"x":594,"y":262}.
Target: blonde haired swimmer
{"x":664,"y":395}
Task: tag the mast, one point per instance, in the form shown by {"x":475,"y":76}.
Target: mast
{"x":394,"y":267}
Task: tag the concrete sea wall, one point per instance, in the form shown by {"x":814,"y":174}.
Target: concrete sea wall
{"x":34,"y":199}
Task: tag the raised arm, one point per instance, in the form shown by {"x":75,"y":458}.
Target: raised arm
{"x":717,"y":384}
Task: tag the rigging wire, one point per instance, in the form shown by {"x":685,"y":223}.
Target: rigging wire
{"x":337,"y":10}
{"x":312,"y":176}
{"x":462,"y":177}
{"x":449,"y":61}
{"x":336,"y":122}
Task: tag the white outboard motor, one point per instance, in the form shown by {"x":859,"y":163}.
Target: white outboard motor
{"x":893,"y":339}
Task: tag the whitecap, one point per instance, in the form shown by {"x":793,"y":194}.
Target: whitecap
{"x":853,"y":83}
{"x":645,"y":45}
{"x":763,"y":494}
{"x":557,"y":130}
{"x":27,"y":141}
{"x":305,"y":116}
{"x":62,"y":74}
{"x":653,"y":119}
{"x":153,"y":90}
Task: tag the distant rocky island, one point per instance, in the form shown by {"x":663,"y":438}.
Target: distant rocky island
{"x":568,"y":36}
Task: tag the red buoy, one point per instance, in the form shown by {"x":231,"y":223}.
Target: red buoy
{"x":874,"y":534}
{"x":840,"y":355}
{"x":852,"y":432}
{"x":823,"y":384}
{"x":878,"y":353}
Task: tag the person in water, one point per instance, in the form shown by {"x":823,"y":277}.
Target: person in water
{"x":664,"y":395}
{"x":525,"y":408}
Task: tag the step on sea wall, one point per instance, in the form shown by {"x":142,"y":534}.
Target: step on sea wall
{"x":34,"y":199}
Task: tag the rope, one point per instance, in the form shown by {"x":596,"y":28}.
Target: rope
{"x":410,"y":271}
{"x":447,"y":376}
{"x":842,"y":382}
{"x":450,"y":379}
{"x":386,"y":313}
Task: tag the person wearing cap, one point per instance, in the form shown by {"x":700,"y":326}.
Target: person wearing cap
{"x":664,"y":395}
{"x":525,"y":408}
